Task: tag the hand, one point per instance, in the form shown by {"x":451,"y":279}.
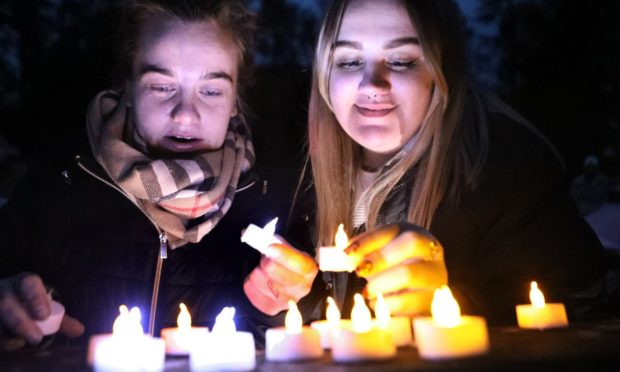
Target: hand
{"x":24,"y":299}
{"x":284,"y":274}
{"x":404,"y":263}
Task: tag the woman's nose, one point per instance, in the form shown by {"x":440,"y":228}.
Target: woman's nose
{"x":375,"y":81}
{"x":185,"y":111}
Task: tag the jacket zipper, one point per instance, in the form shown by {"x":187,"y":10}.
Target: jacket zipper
{"x":163,"y":247}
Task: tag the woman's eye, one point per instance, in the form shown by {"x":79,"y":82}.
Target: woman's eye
{"x":350,"y":64}
{"x":162,"y":89}
{"x":211,"y":92}
{"x":401,"y":65}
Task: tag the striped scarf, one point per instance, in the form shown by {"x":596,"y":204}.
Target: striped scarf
{"x":186,"y":198}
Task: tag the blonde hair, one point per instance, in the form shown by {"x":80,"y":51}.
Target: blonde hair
{"x":450,"y":146}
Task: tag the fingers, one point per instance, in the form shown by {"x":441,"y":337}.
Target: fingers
{"x":71,"y":327}
{"x":371,"y":241}
{"x":295,"y":261}
{"x":409,"y":303}
{"x":407,"y":246}
{"x":15,"y":318}
{"x":263,"y":293}
{"x":293,"y":285}
{"x":34,"y":294}
{"x":417,"y":275}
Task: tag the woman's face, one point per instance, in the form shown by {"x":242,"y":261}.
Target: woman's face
{"x":183,"y":86}
{"x":380,"y":87}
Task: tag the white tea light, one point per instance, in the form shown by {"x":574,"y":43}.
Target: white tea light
{"x":334,"y":258}
{"x":260,"y":238}
{"x":51,"y":325}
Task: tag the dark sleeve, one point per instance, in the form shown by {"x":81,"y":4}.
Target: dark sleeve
{"x":518,"y":225}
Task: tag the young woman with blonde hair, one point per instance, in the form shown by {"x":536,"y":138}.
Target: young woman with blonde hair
{"x":444,"y":183}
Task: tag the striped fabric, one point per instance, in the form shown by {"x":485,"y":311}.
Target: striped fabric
{"x":185,"y":197}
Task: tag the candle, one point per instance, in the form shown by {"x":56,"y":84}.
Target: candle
{"x":51,"y":325}
{"x":540,"y":315}
{"x":362,"y":339}
{"x":127,"y":348}
{"x":293,"y":341}
{"x":330,"y":325}
{"x":398,"y":326}
{"x":334,"y":258}
{"x":224,"y":348}
{"x":447,"y":334}
{"x":261,"y":238}
{"x":179,"y":340}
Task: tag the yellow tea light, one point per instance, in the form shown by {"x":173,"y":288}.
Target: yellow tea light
{"x":334,"y":258}
{"x":398,"y":326}
{"x":447,"y":334}
{"x":180,"y":339}
{"x":541,"y":315}
{"x":362,"y":339}
{"x":294,"y":341}
{"x":332,"y":324}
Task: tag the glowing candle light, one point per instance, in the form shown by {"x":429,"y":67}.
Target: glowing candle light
{"x":330,"y":325}
{"x":127,"y":348}
{"x":448,"y":334}
{"x":260,"y":238}
{"x":179,"y":340}
{"x":362,"y":339}
{"x":541,"y":315}
{"x":294,"y":341}
{"x":334,"y":258}
{"x":224,"y":348}
{"x":398,"y":326}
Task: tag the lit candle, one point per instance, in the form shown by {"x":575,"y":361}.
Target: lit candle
{"x":362,"y":339}
{"x":260,"y":238}
{"x":224,"y":348}
{"x":447,"y":334}
{"x":179,"y":340}
{"x":398,"y":326}
{"x":540,"y":315}
{"x":330,"y":325}
{"x":334,"y":258}
{"x":293,"y":341}
{"x":51,"y":325}
{"x":127,"y":348}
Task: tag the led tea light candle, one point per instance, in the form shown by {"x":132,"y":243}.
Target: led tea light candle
{"x":330,"y":325}
{"x":362,"y":340}
{"x":51,"y":325}
{"x":179,"y":340}
{"x":224,"y":348}
{"x":334,"y":258}
{"x":447,"y":334}
{"x":292,"y":342}
{"x":398,"y":326}
{"x":260,"y":238}
{"x":127,"y":348}
{"x":540,"y":315}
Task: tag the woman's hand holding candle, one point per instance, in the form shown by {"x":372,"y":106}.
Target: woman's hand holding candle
{"x":24,"y":301}
{"x":284,"y":274}
{"x":403,"y":262}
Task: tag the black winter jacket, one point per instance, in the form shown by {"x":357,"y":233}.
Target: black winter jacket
{"x":516,"y":225}
{"x":98,"y":250}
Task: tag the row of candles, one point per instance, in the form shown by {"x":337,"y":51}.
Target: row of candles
{"x":445,"y":334}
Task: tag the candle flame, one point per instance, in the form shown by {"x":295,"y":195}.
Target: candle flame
{"x":361,"y":320}
{"x":127,"y":323}
{"x":293,"y":321}
{"x":444,"y":308}
{"x":270,"y":228}
{"x":224,"y":322}
{"x":536,"y":296}
{"x":184,"y":320}
{"x":382,"y":312}
{"x":341,"y":238}
{"x":332,"y":314}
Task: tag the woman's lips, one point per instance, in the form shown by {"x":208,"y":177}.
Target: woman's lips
{"x":374,"y":111}
{"x":181,"y":143}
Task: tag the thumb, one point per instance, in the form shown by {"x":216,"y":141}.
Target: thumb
{"x":71,"y":327}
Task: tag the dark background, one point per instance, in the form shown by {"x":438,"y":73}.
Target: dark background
{"x":556,"y":61}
